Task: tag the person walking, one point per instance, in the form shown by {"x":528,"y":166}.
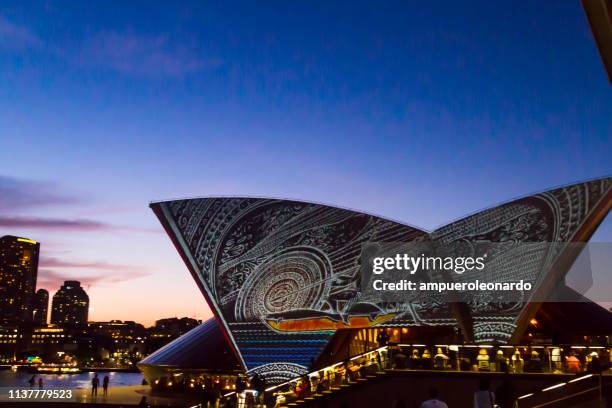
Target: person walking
{"x":94,"y":385}
{"x":484,"y":397}
{"x":506,"y":393}
{"x":105,"y":382}
{"x":433,"y":401}
{"x":382,"y":338}
{"x":40,"y":383}
{"x":399,"y":359}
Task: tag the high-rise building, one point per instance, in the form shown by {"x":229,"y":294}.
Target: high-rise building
{"x":18,"y":269}
{"x":70,"y":304}
{"x":40,"y":307}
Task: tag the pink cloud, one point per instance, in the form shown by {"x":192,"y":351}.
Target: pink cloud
{"x":56,"y":224}
{"x":18,"y":194}
{"x":59,"y":224}
{"x":52,"y":262}
{"x":52,"y":279}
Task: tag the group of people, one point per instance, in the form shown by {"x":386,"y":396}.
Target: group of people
{"x":484,"y":397}
{"x":210,"y":388}
{"x":467,"y":358}
{"x":417,"y":360}
{"x":519,"y":360}
{"x":95,"y":382}
{"x":504,"y":396}
{"x":316,"y":383}
{"x":484,"y":359}
{"x":231,"y":390}
{"x":32,"y":382}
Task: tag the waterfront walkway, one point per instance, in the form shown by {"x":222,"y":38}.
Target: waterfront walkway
{"x":117,"y":397}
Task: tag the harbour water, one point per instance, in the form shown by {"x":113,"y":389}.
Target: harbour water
{"x":20,"y":379}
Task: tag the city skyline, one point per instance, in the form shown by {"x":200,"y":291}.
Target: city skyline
{"x":22,"y":305}
{"x":417,"y":115}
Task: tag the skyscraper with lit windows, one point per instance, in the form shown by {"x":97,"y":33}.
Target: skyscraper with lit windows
{"x":18,"y":270}
{"x":70,"y":304}
{"x":40,"y":305}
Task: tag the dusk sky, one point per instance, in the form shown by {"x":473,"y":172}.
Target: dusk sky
{"x":419,"y":113}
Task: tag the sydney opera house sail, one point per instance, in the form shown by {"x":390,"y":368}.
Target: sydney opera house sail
{"x":254,"y":258}
{"x":282,"y":276}
{"x":562,"y":216}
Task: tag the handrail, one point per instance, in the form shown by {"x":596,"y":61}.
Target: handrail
{"x":327,"y":368}
{"x":566,"y":397}
{"x":525,"y":398}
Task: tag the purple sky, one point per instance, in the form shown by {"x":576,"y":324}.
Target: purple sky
{"x":417,"y":114}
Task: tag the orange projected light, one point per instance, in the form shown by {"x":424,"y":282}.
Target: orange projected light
{"x":327,"y":323}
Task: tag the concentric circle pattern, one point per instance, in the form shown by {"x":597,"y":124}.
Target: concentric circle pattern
{"x":294,"y":279}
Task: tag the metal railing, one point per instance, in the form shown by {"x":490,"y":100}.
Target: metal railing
{"x":553,"y":395}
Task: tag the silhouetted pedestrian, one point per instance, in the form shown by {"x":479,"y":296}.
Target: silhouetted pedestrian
{"x":433,"y":401}
{"x":105,"y":382}
{"x":382,"y":338}
{"x":94,"y":385}
{"x":240,"y":384}
{"x":399,"y":360}
{"x":484,"y":397}
{"x":506,"y":393}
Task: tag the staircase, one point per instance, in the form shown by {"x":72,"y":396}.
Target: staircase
{"x":315,"y":399}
